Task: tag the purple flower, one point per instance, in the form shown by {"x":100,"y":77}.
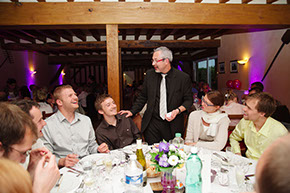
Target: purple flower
{"x":163,"y":147}
{"x":163,"y":161}
{"x":157,"y":158}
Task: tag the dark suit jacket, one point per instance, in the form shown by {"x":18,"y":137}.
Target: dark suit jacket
{"x":180,"y":94}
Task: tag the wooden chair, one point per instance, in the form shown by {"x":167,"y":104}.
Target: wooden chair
{"x":46,"y":115}
{"x":137,"y":119}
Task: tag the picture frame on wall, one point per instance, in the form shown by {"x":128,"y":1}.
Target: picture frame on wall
{"x":222,"y":67}
{"x":234,"y":66}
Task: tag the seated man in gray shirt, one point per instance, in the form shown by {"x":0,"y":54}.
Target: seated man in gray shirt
{"x":68,"y":134}
{"x":115,"y":130}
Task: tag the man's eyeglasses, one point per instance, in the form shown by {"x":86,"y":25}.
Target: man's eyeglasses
{"x":156,"y":61}
{"x":26,"y":153}
{"x":209,"y":105}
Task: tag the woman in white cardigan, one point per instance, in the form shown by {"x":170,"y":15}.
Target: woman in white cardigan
{"x":208,"y":127}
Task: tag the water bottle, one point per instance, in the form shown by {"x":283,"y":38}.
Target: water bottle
{"x":193,"y":181}
{"x":178,"y":141}
{"x":133,"y":175}
{"x":141,"y":159}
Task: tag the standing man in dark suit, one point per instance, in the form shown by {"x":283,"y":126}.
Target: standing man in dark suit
{"x":167,"y":92}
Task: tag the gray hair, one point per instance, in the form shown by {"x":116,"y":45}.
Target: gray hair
{"x":165,"y":53}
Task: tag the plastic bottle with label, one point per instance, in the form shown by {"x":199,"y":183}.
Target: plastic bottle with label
{"x":178,"y":141}
{"x":133,"y":176}
{"x":193,"y":182}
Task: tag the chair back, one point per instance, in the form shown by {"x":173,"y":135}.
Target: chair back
{"x":46,"y":115}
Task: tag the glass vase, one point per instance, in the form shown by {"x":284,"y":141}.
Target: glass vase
{"x":168,"y":181}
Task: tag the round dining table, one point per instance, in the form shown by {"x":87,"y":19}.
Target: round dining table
{"x":221,"y":173}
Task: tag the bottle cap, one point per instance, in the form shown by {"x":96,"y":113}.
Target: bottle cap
{"x":177,"y":134}
{"x":193,"y":149}
{"x":139,"y":142}
{"x":133,"y":156}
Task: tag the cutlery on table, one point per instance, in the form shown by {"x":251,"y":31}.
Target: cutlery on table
{"x":221,"y":157}
{"x":80,"y":172}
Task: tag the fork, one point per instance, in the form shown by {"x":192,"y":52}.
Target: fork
{"x":221,"y":157}
{"x":59,"y":181}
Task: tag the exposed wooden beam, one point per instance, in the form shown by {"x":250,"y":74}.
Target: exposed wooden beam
{"x":95,"y":33}
{"x":93,"y":13}
{"x":223,"y":1}
{"x":21,"y":35}
{"x":34,"y":34}
{"x":79,"y":33}
{"x":137,"y":33}
{"x":50,"y":34}
{"x":101,"y":45}
{"x":7,"y":36}
{"x":52,"y":60}
{"x":165,"y":33}
{"x":150,"y":33}
{"x":113,"y":64}
{"x":271,"y":1}
{"x":64,"y":34}
{"x":246,"y":1}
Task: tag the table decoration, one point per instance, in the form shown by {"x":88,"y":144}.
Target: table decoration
{"x":165,"y":158}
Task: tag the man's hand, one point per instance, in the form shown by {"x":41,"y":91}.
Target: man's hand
{"x":69,"y":161}
{"x":103,"y":148}
{"x":174,"y":113}
{"x":45,"y":176}
{"x":35,"y":156}
{"x":129,"y":113}
{"x":238,"y":154}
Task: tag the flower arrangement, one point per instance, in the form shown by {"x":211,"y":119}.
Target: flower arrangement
{"x":167,"y":157}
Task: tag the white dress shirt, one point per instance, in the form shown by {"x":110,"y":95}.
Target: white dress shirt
{"x":62,"y":137}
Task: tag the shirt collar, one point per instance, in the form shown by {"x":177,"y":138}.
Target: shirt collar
{"x":264,"y":130}
{"x":106,"y":124}
{"x":62,"y":118}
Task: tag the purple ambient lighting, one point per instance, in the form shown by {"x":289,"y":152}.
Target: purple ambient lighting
{"x":60,"y":78}
{"x":179,"y":68}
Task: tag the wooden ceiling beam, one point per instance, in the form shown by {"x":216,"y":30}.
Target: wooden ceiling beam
{"x":95,"y":33}
{"x":34,"y":34}
{"x":7,"y":36}
{"x":165,"y":33}
{"x":137,"y":34}
{"x":52,"y":60}
{"x":150,"y":33}
{"x":21,"y":35}
{"x":95,"y":13}
{"x":79,"y":34}
{"x":64,"y":34}
{"x":50,"y":34}
{"x":137,"y":44}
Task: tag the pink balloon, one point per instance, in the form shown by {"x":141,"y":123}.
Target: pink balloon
{"x":230,"y":84}
{"x":237,"y":84}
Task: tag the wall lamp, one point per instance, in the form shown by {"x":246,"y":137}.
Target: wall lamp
{"x":243,"y":62}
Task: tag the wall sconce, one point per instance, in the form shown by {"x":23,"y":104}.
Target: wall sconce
{"x":62,"y":73}
{"x":32,"y":72}
{"x":243,"y":62}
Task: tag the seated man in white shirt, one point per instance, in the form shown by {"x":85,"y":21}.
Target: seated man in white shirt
{"x":17,"y":134}
{"x":32,"y":109}
{"x":68,"y":134}
{"x":272,"y":172}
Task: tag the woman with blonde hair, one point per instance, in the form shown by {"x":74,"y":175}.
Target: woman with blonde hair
{"x":14,"y":178}
{"x":232,"y":107}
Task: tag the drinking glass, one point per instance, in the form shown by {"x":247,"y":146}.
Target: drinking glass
{"x":108,"y":163}
{"x":240,"y":177}
{"x":229,"y":153}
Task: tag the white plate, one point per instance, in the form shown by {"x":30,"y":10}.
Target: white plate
{"x":131,"y":149}
{"x":97,"y":158}
{"x":69,"y":182}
